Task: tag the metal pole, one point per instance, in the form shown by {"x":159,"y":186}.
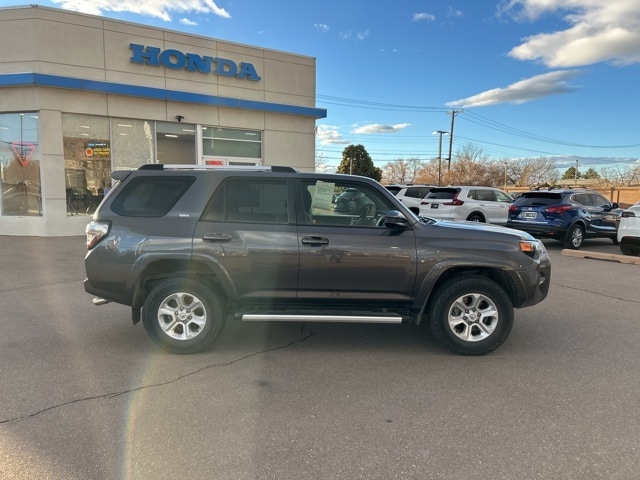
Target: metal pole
{"x":453,"y":116}
{"x":440,"y":132}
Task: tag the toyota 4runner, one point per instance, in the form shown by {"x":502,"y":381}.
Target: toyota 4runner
{"x":185,"y":246}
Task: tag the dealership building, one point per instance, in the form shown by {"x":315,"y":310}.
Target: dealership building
{"x":83,"y":95}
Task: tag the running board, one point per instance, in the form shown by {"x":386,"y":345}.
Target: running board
{"x":256,"y":317}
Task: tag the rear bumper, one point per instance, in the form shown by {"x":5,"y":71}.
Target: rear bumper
{"x":540,"y":230}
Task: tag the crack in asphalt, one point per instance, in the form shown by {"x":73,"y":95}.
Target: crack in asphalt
{"x":596,"y":293}
{"x":160,"y":384}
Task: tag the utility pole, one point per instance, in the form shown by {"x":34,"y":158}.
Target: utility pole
{"x":575,"y":176}
{"x":440,"y":132}
{"x":453,"y":114}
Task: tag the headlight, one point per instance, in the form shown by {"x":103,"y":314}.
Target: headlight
{"x":532,"y":248}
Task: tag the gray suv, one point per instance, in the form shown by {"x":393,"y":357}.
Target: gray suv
{"x":186,"y":246}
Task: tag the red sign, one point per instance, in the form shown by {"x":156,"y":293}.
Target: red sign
{"x":23,"y":151}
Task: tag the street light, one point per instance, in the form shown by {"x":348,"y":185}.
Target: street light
{"x":440,"y":132}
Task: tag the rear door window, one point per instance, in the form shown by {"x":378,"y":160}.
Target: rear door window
{"x":583,"y":199}
{"x":253,"y":200}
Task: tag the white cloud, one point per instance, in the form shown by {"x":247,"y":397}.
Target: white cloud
{"x":329,"y":135}
{"x":599,"y":31}
{"x":322,"y":27}
{"x":377,"y":128}
{"x":152,"y":8}
{"x":348,"y":35}
{"x":418,"y":17}
{"x":186,"y":21}
{"x":453,"y":13}
{"x":552,"y":83}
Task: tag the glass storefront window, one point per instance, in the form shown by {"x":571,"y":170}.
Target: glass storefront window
{"x":87,"y":161}
{"x":229,"y":142}
{"x":133,"y":143}
{"x":176,"y":143}
{"x":20,"y":165}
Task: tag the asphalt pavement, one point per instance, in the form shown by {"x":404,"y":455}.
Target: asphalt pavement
{"x":84,"y":394}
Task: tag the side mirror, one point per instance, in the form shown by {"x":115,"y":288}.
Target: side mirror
{"x":395,"y":219}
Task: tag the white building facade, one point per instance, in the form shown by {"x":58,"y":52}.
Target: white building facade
{"x":82,"y":95}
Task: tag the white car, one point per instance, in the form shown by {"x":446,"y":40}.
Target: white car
{"x":629,"y":230}
{"x":410,"y":195}
{"x":467,"y":203}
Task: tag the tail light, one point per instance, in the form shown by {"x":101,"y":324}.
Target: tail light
{"x":96,"y":231}
{"x":559,"y":210}
{"x":512,"y":208}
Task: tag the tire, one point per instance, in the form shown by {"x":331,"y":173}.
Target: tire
{"x":182,"y":315}
{"x":626,"y":250}
{"x":470,"y":315}
{"x":475,"y":217}
{"x":575,"y":237}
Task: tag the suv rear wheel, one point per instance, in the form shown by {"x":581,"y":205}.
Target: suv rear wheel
{"x":472,"y":315}
{"x":575,"y":237}
{"x":182,"y":315}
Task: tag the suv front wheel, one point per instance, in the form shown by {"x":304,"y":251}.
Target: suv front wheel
{"x":182,"y":315}
{"x":471,"y":315}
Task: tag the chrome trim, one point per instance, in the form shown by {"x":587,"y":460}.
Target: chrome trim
{"x":256,"y":317}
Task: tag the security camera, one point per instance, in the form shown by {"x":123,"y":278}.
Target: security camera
{"x":179,"y":118}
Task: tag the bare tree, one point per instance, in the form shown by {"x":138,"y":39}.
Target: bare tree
{"x":428,"y":172}
{"x":472,"y":167}
{"x":401,"y":171}
{"x":321,"y":162}
{"x":539,"y":171}
{"x":626,"y":176}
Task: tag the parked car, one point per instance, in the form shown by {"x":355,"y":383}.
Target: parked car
{"x":352,"y":202}
{"x":566,"y":214}
{"x":629,"y":230}
{"x":411,"y":194}
{"x":470,"y":203}
{"x":186,"y":247}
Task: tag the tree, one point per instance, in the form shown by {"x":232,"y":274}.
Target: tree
{"x":570,"y":174}
{"x":321,"y":162}
{"x":626,"y":176}
{"x":356,"y":161}
{"x":472,"y":167}
{"x":428,"y":172}
{"x":401,"y":171}
{"x":532,"y":172}
{"x":591,"y":173}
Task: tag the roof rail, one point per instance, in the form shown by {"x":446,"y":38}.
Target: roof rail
{"x":253,"y":168}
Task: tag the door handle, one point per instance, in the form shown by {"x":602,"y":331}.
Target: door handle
{"x":216,"y":237}
{"x":315,"y":241}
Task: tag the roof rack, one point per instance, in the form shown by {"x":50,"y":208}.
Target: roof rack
{"x":252,"y":168}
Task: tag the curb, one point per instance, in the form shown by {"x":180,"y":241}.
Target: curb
{"x":601,"y":256}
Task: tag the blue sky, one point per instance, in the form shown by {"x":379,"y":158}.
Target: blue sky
{"x":526,"y":78}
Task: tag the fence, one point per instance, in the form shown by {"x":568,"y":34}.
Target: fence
{"x":624,"y":196}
